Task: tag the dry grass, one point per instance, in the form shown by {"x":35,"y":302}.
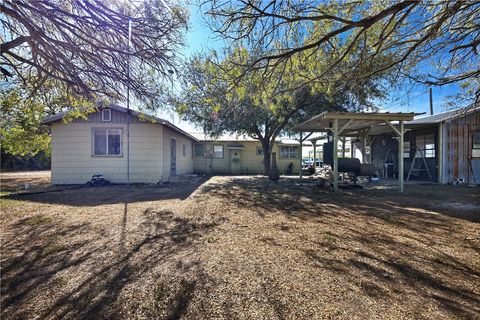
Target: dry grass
{"x":240,"y":247}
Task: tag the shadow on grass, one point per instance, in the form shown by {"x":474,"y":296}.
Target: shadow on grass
{"x":105,"y":267}
{"x":114,"y":194}
{"x":385,"y":244}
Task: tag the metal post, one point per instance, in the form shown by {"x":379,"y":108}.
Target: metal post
{"x":431,"y":101}
{"x":335,"y":155}
{"x":440,"y":153}
{"x":301,"y":160}
{"x":128,"y":99}
{"x":364,"y":146}
{"x":314,"y":142}
{"x":400,"y":157}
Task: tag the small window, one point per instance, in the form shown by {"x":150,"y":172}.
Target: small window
{"x":199,"y":150}
{"x":106,"y":115}
{"x":259,"y":151}
{"x":107,"y":142}
{"x":476,"y":145}
{"x":218,"y":151}
{"x":476,"y":140}
{"x":426,"y":143}
{"x":184,"y":150}
{"x":191,"y":148}
{"x":288,"y":152}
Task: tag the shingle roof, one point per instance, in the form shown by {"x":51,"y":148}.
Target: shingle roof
{"x":59,"y":116}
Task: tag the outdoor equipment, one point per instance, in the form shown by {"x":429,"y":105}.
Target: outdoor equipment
{"x":98,"y":181}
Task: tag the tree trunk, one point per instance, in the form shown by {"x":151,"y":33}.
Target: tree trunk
{"x":266,"y":156}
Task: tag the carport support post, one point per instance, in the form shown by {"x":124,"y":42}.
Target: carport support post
{"x":301,"y":160}
{"x":400,"y":157}
{"x":335,"y":155}
{"x":314,"y":142}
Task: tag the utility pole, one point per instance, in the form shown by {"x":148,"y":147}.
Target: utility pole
{"x":431,"y":102}
{"x":128,"y":98}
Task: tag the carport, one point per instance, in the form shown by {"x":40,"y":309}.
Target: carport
{"x":359,"y":124}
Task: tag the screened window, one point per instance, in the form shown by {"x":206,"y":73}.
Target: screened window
{"x":106,"y":115}
{"x":259,"y":151}
{"x":288,"y":152}
{"x":107,"y":142}
{"x":426,"y":143}
{"x":199,"y":150}
{"x":218,"y":151}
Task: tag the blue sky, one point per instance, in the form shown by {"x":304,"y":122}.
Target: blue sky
{"x":412,"y":99}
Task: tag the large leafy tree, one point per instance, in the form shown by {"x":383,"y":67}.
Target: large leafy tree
{"x":261,"y":105}
{"x":430,"y":42}
{"x":83,"y":44}
{"x":21,"y":132}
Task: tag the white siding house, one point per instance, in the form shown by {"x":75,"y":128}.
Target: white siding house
{"x":98,"y":145}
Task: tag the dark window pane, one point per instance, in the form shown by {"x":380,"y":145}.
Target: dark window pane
{"x":114,"y":142}
{"x":100,"y":142}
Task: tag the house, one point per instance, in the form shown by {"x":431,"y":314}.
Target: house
{"x":123,"y":145}
{"x":243,"y":155}
{"x":449,"y":142}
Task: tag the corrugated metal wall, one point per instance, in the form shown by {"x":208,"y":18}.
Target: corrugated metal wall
{"x":459,"y":162}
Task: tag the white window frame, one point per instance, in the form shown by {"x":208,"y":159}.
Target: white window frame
{"x":106,"y":143}
{"x":289,"y":152}
{"x":428,"y":151}
{"x":223,"y":151}
{"x":109,"y":115}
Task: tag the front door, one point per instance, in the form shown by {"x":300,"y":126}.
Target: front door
{"x":173,"y":157}
{"x":236,"y":161}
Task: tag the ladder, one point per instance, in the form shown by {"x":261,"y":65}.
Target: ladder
{"x":419,"y":169}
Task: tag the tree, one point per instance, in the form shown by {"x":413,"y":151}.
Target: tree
{"x":213,"y":96}
{"x":21,"y":132}
{"x":431,"y":42}
{"x":83,"y":44}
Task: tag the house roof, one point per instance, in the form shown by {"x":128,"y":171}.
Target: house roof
{"x":61,"y":115}
{"x":240,"y":138}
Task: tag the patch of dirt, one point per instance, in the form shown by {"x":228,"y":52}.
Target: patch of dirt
{"x":16,"y":181}
{"x":241,"y":248}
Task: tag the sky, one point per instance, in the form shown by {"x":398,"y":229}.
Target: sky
{"x":412,"y":99}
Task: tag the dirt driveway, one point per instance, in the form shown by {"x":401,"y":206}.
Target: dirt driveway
{"x":242,"y":248}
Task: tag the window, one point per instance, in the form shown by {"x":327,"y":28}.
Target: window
{"x":406,"y":149}
{"x":191,"y":148}
{"x":259,"y":151}
{"x":476,"y":144}
{"x":107,"y":142}
{"x":106,"y":115}
{"x":199,"y":150}
{"x":288,"y":152}
{"x":426,"y":143}
{"x":184,"y":150}
{"x":218,"y":151}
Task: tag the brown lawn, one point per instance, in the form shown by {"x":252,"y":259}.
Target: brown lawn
{"x":242,"y":248}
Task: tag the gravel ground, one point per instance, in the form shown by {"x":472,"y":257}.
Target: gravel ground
{"x":242,"y":248}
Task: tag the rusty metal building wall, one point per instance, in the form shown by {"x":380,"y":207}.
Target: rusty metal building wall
{"x":458,"y":144}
